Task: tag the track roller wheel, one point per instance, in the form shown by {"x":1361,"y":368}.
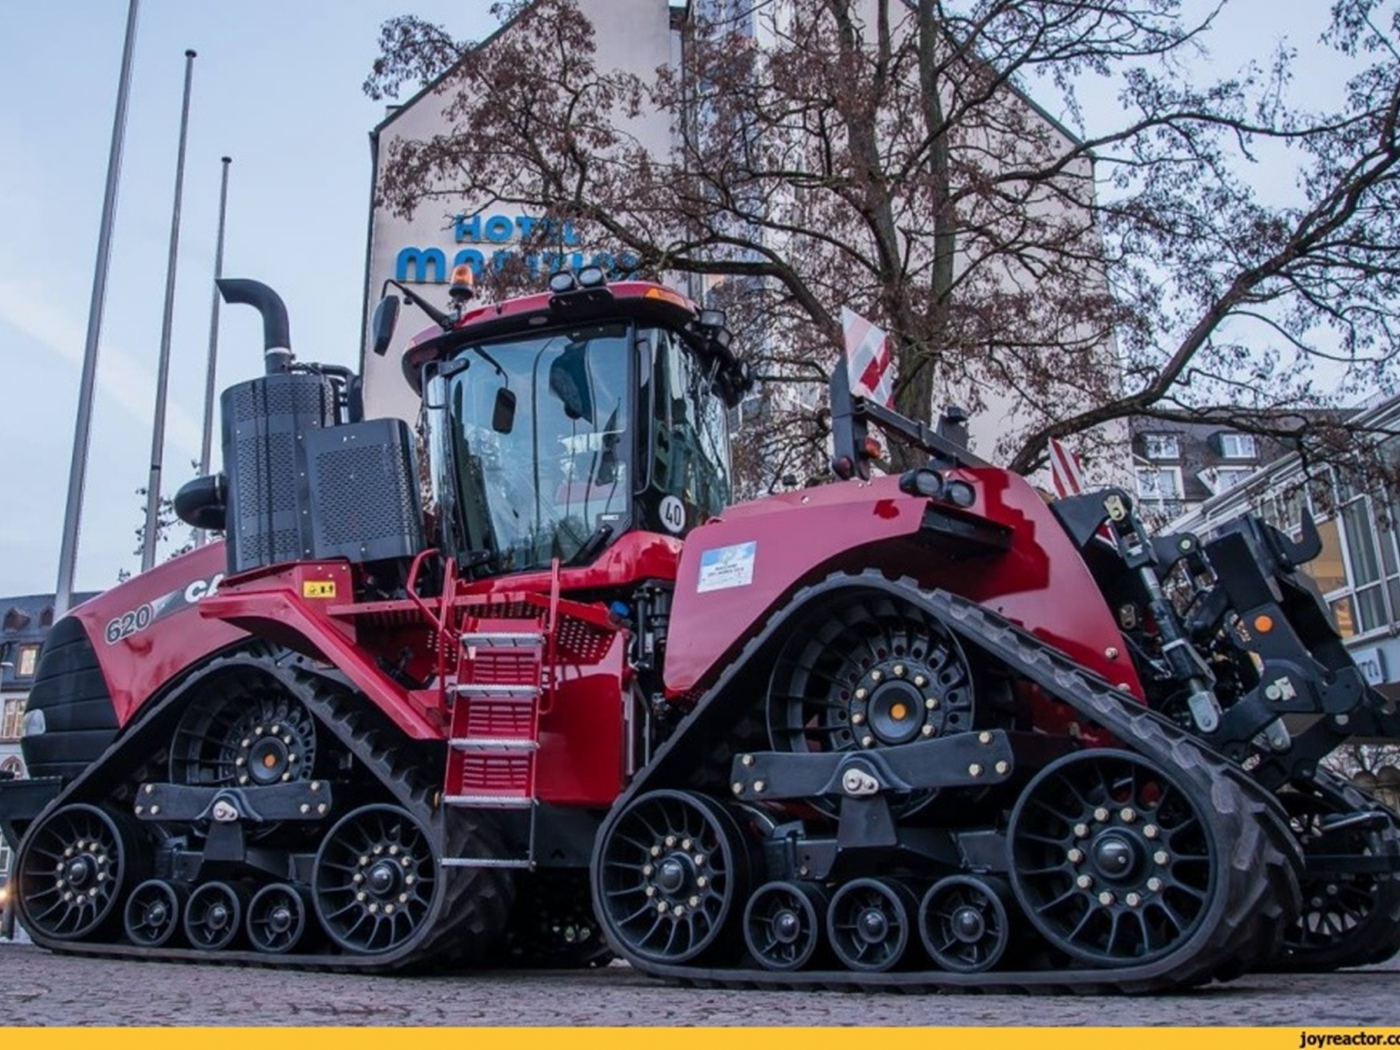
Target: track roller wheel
{"x":963,"y":923}
{"x":152,"y":913}
{"x":783,"y":924}
{"x":276,"y":918}
{"x":1114,"y":860}
{"x":671,"y":868}
{"x":73,"y":868}
{"x":374,"y":879}
{"x":868,"y":923}
{"x":214,"y":915}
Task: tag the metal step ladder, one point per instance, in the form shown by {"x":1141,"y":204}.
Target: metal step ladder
{"x":494,"y":734}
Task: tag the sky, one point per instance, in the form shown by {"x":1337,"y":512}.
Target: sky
{"x":277,"y":88}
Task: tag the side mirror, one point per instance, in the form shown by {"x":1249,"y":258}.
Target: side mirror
{"x":381,"y":325}
{"x":503,"y":412}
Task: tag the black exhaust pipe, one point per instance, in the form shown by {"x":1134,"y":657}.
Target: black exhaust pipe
{"x":277,"y":336}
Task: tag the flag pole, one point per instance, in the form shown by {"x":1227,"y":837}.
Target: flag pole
{"x":148,"y":546}
{"x":82,"y":429}
{"x":202,"y":537}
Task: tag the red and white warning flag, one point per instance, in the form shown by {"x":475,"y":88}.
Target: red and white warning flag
{"x":869,"y":362}
{"x":1066,"y":472}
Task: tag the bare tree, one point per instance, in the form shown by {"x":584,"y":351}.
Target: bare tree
{"x":885,"y":155}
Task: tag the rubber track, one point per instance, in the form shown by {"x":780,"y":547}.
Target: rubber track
{"x":469,"y":913}
{"x":1261,"y":861}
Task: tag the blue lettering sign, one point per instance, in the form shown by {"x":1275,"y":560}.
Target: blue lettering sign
{"x":467,"y":228}
{"x":421,"y":260}
{"x":499,"y":229}
{"x":415,"y":265}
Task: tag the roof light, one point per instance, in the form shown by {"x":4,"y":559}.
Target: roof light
{"x":667,"y":295}
{"x":591,"y":277}
{"x":463,"y":286}
{"x":563,"y":281}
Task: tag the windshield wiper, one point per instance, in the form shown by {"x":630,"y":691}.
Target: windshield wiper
{"x":591,"y":546}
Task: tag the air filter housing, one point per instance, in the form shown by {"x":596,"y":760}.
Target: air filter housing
{"x":265,"y":424}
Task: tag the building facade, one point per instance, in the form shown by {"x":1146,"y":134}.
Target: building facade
{"x":1179,"y":466}
{"x":635,"y":37}
{"x":638,"y":38}
{"x":1358,"y":571}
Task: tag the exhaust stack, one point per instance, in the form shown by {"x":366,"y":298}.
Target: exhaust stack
{"x":277,"y":337}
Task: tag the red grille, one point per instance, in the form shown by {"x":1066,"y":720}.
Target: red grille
{"x":483,"y":773}
{"x":502,"y":665}
{"x":495,"y":719}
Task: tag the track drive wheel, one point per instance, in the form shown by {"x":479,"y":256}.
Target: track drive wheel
{"x":152,"y":913}
{"x":243,"y":728}
{"x":783,"y":924}
{"x":964,"y":923}
{"x":863,"y":670}
{"x":72,"y":869}
{"x":868,"y":923}
{"x":670,"y":873}
{"x":277,"y":918}
{"x":1114,"y":860}
{"x":1349,"y":918}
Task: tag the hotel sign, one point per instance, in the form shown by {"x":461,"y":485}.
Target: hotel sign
{"x":492,"y":241}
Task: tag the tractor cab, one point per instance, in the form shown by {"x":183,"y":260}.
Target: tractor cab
{"x":558,"y":422}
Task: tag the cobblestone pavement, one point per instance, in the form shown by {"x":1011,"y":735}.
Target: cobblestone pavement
{"x":37,"y":988}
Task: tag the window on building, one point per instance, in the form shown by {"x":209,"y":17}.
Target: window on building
{"x":12,"y":764}
{"x":1363,"y":561}
{"x":1327,"y":569}
{"x":1159,"y":483}
{"x":1357,"y":567}
{"x":1239,"y":446}
{"x":1225,"y":478}
{"x":27,"y":661}
{"x":12,"y":723}
{"x":1161,"y":446}
{"x":5,"y":857}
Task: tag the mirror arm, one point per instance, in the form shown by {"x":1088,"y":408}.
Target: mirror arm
{"x":441,"y":318}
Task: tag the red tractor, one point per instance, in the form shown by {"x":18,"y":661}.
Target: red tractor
{"x":547,"y":697}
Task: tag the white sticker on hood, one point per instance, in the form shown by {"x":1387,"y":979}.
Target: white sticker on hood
{"x":725,"y":567}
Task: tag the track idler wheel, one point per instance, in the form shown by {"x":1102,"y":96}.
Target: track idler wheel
{"x":783,"y":924}
{"x":964,"y":924}
{"x":671,"y":871}
{"x":277,"y":918}
{"x":868,"y":923}
{"x":214,"y":915}
{"x":152,"y":913}
{"x":1114,"y":860}
{"x":72,"y":869}
{"x":374,"y":879}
